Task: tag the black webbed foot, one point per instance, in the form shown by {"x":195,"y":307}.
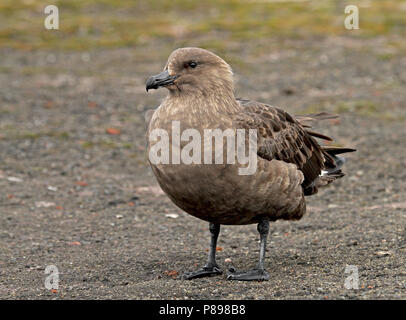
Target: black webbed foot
{"x":206,"y":271}
{"x":250,"y":275}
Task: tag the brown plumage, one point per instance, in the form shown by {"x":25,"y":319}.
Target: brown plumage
{"x":290,"y":162}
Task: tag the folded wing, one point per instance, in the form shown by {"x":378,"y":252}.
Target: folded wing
{"x":282,"y":137}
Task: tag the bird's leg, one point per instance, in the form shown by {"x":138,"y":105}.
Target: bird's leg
{"x":259,"y":272}
{"x":211,"y":266}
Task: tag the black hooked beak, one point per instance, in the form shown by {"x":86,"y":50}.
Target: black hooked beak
{"x":160,"y":80}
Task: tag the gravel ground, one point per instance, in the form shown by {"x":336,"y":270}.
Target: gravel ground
{"x":76,"y":191}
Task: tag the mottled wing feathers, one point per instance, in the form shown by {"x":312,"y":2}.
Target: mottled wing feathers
{"x":304,"y":120}
{"x":282,"y":137}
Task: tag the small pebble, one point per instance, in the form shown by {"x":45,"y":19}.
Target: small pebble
{"x":383,"y":253}
{"x":332,"y":206}
{"x":44,"y":204}
{"x":172,"y":215}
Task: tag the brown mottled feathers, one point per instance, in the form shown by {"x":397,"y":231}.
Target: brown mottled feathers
{"x":282,"y":137}
{"x":314,"y":116}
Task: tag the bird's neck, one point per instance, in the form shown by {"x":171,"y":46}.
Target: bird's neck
{"x":201,"y":105}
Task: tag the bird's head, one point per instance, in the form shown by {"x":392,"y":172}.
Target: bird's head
{"x":191,"y":71}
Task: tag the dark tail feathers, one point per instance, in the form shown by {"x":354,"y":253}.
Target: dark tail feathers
{"x":334,"y":164}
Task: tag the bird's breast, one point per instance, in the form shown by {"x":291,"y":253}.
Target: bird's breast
{"x":201,"y":177}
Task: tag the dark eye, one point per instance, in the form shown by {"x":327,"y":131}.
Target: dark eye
{"x":193,"y":64}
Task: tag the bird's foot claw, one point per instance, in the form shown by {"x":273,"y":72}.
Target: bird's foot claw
{"x":203,"y":272}
{"x":250,"y":275}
